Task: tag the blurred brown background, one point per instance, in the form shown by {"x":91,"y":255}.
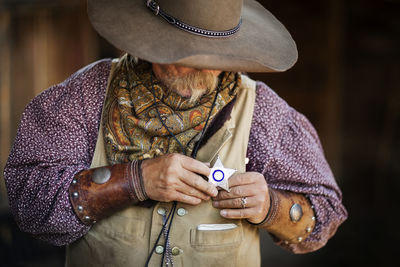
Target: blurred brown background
{"x":347,"y":82}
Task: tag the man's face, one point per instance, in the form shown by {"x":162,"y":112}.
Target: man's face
{"x":187,"y":82}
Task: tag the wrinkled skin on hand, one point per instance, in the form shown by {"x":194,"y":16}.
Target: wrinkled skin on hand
{"x":176,"y":177}
{"x":251,"y":185}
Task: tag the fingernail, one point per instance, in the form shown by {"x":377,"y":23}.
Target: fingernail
{"x":215,"y":203}
{"x":215,"y":192}
{"x":223,"y":213}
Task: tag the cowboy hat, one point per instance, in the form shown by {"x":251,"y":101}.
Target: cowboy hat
{"x":234,"y":35}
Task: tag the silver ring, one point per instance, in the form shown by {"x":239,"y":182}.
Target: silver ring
{"x":244,"y":202}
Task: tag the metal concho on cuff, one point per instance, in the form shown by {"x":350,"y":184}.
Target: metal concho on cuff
{"x":101,"y":175}
{"x":296,"y":212}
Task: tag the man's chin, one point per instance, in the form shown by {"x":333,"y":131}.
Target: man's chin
{"x":192,"y":95}
{"x":187,"y":94}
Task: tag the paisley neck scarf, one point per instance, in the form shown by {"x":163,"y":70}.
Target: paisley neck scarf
{"x":135,"y":103}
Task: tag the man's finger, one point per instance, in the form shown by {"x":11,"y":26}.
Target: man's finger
{"x":195,"y":166}
{"x":199,"y":183}
{"x":235,"y":203}
{"x":180,"y":197}
{"x":237,"y":192}
{"x":238,"y":213}
{"x":242,"y":179}
{"x":191,"y":191}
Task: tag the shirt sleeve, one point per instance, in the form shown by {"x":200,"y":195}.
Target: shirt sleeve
{"x":55,"y":140}
{"x":285,"y":148}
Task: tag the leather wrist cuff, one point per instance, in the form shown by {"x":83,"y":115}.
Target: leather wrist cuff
{"x":99,"y":192}
{"x":290,"y":217}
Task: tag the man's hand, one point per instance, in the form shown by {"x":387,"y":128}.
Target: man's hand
{"x":254,"y":188}
{"x":175,"y":177}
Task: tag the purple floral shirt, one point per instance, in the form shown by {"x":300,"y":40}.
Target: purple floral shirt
{"x":57,"y":137}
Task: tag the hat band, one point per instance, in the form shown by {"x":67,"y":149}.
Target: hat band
{"x":153,"y":6}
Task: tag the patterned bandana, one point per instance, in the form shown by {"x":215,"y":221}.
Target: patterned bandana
{"x":131,"y":123}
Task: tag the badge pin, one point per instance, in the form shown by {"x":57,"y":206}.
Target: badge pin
{"x":220,"y":175}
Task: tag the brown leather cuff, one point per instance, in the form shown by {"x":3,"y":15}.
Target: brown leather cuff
{"x":97,"y":193}
{"x":290,"y":218}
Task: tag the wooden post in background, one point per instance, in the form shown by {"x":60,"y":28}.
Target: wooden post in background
{"x":331,"y":99}
{"x":5,"y":105}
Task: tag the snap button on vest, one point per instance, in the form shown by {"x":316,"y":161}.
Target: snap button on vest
{"x":159,"y":249}
{"x":175,"y":251}
{"x":162,"y":211}
{"x":181,"y":212}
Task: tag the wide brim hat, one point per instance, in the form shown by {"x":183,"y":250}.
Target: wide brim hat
{"x":231,"y":35}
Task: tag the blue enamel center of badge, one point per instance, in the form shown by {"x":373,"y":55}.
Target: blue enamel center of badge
{"x":216,"y":177}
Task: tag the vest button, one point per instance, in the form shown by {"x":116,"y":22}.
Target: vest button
{"x":181,"y":212}
{"x":175,"y":251}
{"x":159,"y":249}
{"x":162,"y":211}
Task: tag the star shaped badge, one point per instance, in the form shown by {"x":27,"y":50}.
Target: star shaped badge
{"x":219,"y":175}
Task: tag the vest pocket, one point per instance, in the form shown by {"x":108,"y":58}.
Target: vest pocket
{"x":216,"y":247}
{"x":204,"y":239}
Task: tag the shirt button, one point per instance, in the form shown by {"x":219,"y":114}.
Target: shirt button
{"x":175,"y":251}
{"x":246,"y":161}
{"x":162,"y":211}
{"x":181,"y":212}
{"x":159,"y":249}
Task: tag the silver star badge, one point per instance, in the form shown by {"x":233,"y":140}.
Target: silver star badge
{"x":219,"y":175}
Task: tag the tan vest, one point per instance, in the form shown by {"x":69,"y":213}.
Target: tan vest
{"x":127,"y":237}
